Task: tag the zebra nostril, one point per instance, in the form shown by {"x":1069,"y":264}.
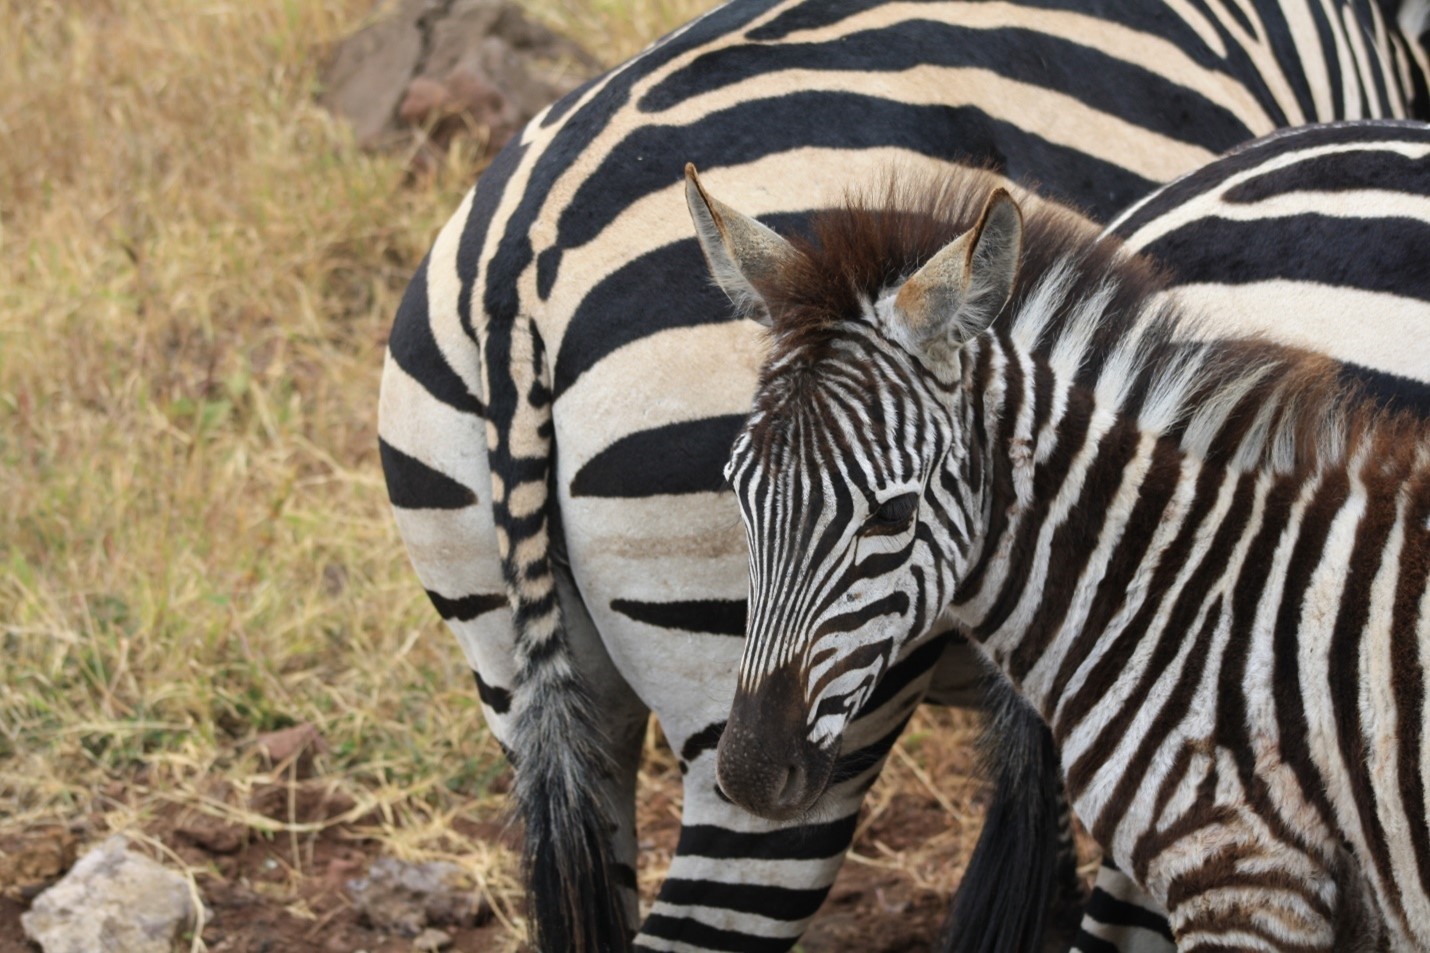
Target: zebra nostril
{"x":793,"y":788}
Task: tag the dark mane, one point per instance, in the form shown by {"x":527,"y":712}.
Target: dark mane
{"x":881,"y":236}
{"x":1079,"y":300}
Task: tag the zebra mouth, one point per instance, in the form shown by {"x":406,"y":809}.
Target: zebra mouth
{"x":765,"y":761}
{"x":778,"y":785}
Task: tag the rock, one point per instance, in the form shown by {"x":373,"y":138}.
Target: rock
{"x":113,"y":899}
{"x":430,"y":939}
{"x":404,"y":898}
{"x":436,"y":69}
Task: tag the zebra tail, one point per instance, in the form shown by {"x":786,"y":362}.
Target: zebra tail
{"x":1021,"y":868}
{"x":558,"y":747}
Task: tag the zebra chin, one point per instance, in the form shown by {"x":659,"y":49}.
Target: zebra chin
{"x":765,"y":761}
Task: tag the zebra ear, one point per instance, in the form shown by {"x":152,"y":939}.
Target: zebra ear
{"x":739,"y":250}
{"x":960,"y":290}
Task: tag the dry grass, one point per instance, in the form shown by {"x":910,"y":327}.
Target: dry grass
{"x":197,"y":272}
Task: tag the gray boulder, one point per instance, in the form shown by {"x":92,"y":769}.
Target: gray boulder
{"x":113,"y":901}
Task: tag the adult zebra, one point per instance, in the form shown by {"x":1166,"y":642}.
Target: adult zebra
{"x":561,"y":308}
{"x":1204,"y":562}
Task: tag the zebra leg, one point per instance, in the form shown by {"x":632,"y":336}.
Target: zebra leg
{"x":1121,"y":918}
{"x":739,"y":882}
{"x":1226,"y":886}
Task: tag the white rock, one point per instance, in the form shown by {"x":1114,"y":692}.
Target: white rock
{"x":400,"y":897}
{"x":430,"y":940}
{"x":112,"y":901}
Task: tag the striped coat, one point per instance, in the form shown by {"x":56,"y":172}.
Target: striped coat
{"x":537,"y":411}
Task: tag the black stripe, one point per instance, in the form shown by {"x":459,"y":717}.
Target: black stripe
{"x":1247,"y":596}
{"x":684,"y":457}
{"x":1344,"y":671}
{"x":1370,"y":168}
{"x":1159,"y":483}
{"x":702,"y":741}
{"x":1116,"y":657}
{"x":706,"y":937}
{"x":1407,"y":674}
{"x":1051,"y":473}
{"x":1105,"y":908}
{"x":776,"y":903}
{"x":1310,"y":248}
{"x":495,"y":697}
{"x":491,"y":189}
{"x":905,"y":670}
{"x":1389,"y":391}
{"x":811,"y":15}
{"x":1078,"y":537}
{"x":413,"y":485}
{"x":667,"y":287}
{"x":466,"y":608}
{"x":414,"y":349}
{"x":572,"y":142}
{"x":707,"y":616}
{"x":1258,"y":152}
{"x":1290,"y":705}
{"x":809,"y":842}
{"x":651,"y":158}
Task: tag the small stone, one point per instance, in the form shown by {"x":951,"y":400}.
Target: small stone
{"x":113,"y":899}
{"x":430,"y":939}
{"x":404,"y":898}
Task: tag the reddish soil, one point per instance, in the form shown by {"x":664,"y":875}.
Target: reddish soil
{"x":278,"y":893}
{"x":263,"y":895}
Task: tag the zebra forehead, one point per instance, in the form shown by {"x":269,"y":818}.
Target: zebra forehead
{"x":875,"y":238}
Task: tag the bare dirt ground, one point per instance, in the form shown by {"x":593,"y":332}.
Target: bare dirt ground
{"x":285,"y":889}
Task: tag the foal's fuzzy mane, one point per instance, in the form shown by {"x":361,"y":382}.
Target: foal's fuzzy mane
{"x":1089,"y":310}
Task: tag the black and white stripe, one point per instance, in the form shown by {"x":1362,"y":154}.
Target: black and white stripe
{"x":1204,"y":564}
{"x":562,"y":386}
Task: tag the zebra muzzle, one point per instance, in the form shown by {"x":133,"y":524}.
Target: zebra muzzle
{"x":765,"y":761}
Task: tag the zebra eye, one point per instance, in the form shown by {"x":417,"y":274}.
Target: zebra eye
{"x":894,"y":513}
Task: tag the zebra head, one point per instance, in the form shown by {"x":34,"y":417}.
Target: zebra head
{"x":857,"y":473}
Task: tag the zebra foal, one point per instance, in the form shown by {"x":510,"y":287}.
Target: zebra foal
{"x":1204,"y":563}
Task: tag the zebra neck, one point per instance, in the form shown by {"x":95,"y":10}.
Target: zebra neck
{"x":1093,"y":524}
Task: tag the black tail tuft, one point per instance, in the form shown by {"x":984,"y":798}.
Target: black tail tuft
{"x":573,"y":895}
{"x":1021,"y":868}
